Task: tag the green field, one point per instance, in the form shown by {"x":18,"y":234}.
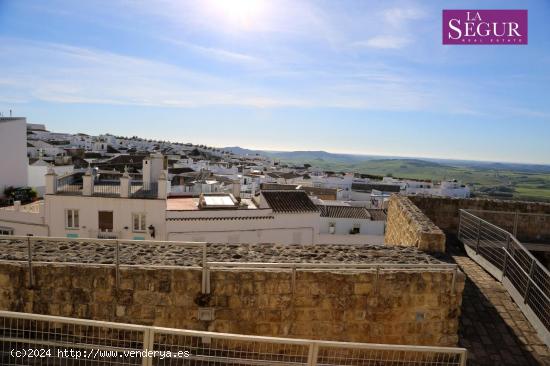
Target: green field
{"x":485,"y":182}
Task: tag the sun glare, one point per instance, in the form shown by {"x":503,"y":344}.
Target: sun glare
{"x":239,"y":13}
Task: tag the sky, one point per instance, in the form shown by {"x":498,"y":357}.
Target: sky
{"x":362,"y":77}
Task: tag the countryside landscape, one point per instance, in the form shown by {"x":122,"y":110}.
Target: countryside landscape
{"x":486,"y":179}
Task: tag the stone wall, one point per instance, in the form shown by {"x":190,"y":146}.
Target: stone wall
{"x":401,"y":307}
{"x":408,"y":226}
{"x":444,"y":212}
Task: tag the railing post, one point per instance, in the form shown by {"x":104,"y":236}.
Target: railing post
{"x":463,"y":358}
{"x":516,"y":220}
{"x":478,"y":236}
{"x":313,"y":354}
{"x":29,"y":255}
{"x":204,"y":286}
{"x":460,"y":224}
{"x":506,"y":251}
{"x":117,"y":270}
{"x":529,"y":280}
{"x":148,"y":345}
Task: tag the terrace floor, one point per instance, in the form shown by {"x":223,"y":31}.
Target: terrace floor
{"x":492,"y":327}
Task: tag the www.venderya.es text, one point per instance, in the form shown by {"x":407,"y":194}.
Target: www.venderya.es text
{"x":94,"y":353}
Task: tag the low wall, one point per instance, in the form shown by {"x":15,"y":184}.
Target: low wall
{"x":408,"y":226}
{"x":444,"y":212}
{"x":398,"y":307}
{"x":350,"y":239}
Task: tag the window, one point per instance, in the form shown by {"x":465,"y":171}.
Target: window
{"x":6,"y":231}
{"x":71,"y":219}
{"x":138,"y":222}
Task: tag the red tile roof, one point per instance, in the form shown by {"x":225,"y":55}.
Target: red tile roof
{"x":289,"y":201}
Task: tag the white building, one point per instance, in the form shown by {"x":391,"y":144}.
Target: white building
{"x":108,"y":204}
{"x":339,"y":182}
{"x":37,"y":174}
{"x":351,"y":225}
{"x":13,"y":152}
{"x":284,"y":217}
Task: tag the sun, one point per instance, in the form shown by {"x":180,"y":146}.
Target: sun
{"x":238,"y":13}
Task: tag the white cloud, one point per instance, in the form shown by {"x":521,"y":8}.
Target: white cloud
{"x":397,"y":17}
{"x":67,"y":74}
{"x":219,"y":54}
{"x":383,"y":42}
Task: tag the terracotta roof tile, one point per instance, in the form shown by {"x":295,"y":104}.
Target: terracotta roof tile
{"x":344,"y":212}
{"x":289,"y":201}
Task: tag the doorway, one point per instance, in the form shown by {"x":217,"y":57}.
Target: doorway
{"x":105,"y":220}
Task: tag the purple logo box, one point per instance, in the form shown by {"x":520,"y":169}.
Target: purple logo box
{"x":485,"y":27}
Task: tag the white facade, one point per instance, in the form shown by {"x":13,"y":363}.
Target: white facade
{"x":343,"y":226}
{"x":242,"y":226}
{"x":38,"y":170}
{"x":89,"y":209}
{"x":13,"y":153}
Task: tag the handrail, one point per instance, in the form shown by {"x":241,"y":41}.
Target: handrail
{"x":202,"y":345}
{"x":495,"y":256}
{"x":206,"y":265}
{"x":330,"y":265}
{"x":508,"y":212}
{"x":527,"y":274}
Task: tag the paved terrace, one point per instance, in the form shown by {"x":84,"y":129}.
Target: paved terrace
{"x":134,"y":253}
{"x":492,"y":327}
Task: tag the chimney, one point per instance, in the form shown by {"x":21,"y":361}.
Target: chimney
{"x":162,"y":186}
{"x":88,"y":183}
{"x":125,"y":184}
{"x":153,"y":167}
{"x":51,"y":181}
{"x":236,"y":188}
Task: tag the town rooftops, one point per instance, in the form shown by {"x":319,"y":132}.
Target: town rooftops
{"x":218,"y":201}
{"x":278,"y":187}
{"x":180,"y":170}
{"x":312,"y":191}
{"x":289,"y":201}
{"x":12,"y":119}
{"x":208,"y":201}
{"x":283,"y":175}
{"x":369,"y":187}
{"x":377,"y":214}
{"x":344,"y":212}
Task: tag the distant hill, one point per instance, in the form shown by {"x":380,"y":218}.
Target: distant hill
{"x":297,"y":156}
{"x":324,"y":156}
{"x":525,"y":181}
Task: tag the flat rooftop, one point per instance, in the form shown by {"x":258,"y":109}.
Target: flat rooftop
{"x":192,"y":204}
{"x":82,"y":251}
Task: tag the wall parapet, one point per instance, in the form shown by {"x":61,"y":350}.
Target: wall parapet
{"x":407,"y":225}
{"x":392,"y":306}
{"x":533,"y":223}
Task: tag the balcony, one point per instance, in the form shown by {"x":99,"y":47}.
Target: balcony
{"x":110,"y":185}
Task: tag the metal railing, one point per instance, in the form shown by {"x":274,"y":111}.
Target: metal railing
{"x":140,"y":189}
{"x":507,"y":259}
{"x":57,"y":340}
{"x":71,"y":183}
{"x":27,"y":244}
{"x":107,"y":189}
{"x":526,"y":226}
{"x":115,"y":247}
